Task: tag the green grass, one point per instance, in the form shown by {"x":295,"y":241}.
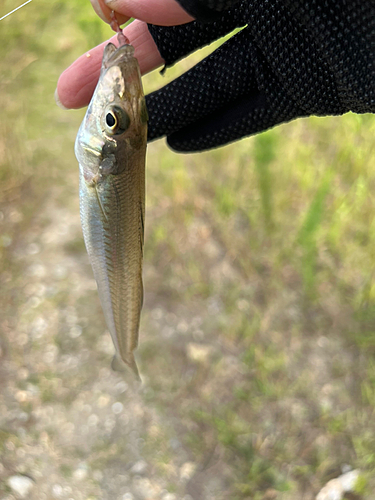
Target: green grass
{"x":294,"y":218}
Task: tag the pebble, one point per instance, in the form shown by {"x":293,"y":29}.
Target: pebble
{"x":57,"y":490}
{"x":117,"y":408}
{"x":187,"y":470}
{"x":21,"y":396}
{"x":139,"y":467}
{"x":37,"y":270}
{"x":109,"y":424}
{"x":103,"y":401}
{"x":39,"y":327}
{"x":22,"y":373}
{"x":167,"y":332}
{"x":75,"y":331}
{"x":121,"y":387}
{"x":60,"y":272}
{"x":33,"y":249}
{"x":198,"y":352}
{"x":15,"y":216}
{"x":81,"y":472}
{"x":22,"y":485}
{"x":93,"y":420}
{"x":169,"y":496}
{"x":182,"y":326}
{"x":157,"y":313}
{"x":336,"y":488}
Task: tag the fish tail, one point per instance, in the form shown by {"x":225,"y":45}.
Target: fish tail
{"x":119,"y":365}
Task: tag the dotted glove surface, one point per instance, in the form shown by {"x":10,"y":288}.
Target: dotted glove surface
{"x":293,"y":58}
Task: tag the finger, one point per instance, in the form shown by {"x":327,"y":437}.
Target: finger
{"x":226,"y":124}
{"x":104,"y":12}
{"x":176,"y":42}
{"x":221,"y":99}
{"x":161,"y":12}
{"x":247,"y":116}
{"x":222,"y":77}
{"x":230,"y":94}
{"x":77,"y":83}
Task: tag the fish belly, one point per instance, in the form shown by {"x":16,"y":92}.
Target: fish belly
{"x":112,"y":215}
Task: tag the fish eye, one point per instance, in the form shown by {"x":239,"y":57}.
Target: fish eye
{"x":116,"y":120}
{"x":111,"y":120}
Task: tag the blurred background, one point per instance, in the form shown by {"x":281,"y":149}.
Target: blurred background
{"x":257,"y":343}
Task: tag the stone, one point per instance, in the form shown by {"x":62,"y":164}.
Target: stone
{"x":21,"y":485}
{"x":139,"y":467}
{"x":336,"y":488}
{"x":198,"y":352}
{"x":187,"y":471}
{"x":80,"y":472}
{"x":169,"y":496}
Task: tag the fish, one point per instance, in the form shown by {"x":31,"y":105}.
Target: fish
{"x":111,"y":151}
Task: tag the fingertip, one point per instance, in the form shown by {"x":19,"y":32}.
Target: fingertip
{"x":100,"y":9}
{"x":160,"y":12}
{"x":104,"y":12}
{"x":58,"y":101}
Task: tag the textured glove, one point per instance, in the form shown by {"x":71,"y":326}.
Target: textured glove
{"x":293,"y":58}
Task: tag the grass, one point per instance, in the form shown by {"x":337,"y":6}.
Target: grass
{"x":263,"y":251}
{"x":294,"y":222}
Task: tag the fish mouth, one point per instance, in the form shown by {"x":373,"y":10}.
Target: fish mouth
{"x":115,"y":55}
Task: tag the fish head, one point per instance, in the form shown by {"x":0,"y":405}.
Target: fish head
{"x":115,"y":123}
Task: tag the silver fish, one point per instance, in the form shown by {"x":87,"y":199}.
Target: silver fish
{"x":111,"y":149}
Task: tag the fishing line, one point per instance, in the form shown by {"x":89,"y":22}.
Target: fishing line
{"x":14,"y":10}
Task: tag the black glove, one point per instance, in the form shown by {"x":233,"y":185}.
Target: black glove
{"x":293,"y":58}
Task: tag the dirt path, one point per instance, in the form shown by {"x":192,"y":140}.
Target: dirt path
{"x":68,"y":422}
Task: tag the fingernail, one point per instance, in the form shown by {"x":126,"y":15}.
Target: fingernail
{"x":98,"y":7}
{"x":110,"y":3}
{"x":58,"y":102}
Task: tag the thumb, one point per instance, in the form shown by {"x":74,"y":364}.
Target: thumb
{"x":104,"y":12}
{"x":160,"y":12}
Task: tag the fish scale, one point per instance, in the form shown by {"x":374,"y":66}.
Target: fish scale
{"x":111,"y":155}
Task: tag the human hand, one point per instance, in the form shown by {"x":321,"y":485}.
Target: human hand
{"x":77,"y":83}
{"x":293,"y":58}
{"x":290,"y":60}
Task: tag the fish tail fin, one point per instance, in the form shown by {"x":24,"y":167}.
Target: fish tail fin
{"x":119,"y":365}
